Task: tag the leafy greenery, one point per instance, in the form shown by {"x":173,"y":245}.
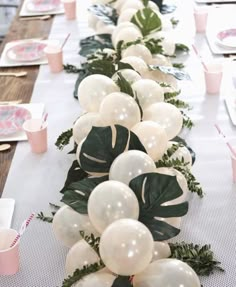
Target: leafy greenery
{"x":104,"y":13}
{"x":92,"y":241}
{"x":74,"y":174}
{"x":76,"y":195}
{"x":122,"y":281}
{"x":181,"y":48}
{"x":178,"y":65}
{"x":81,"y":273}
{"x":103,"y":145}
{"x":200,"y":258}
{"x":174,"y":22}
{"x":71,"y":69}
{"x":152,"y":190}
{"x":64,"y":139}
{"x":147,"y":21}
{"x":44,"y":218}
{"x":94,"y":43}
{"x":177,"y":73}
{"x":187,"y":122}
{"x":154,"y":45}
{"x":170,"y":97}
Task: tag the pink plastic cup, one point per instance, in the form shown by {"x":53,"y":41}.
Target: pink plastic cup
{"x":213,"y":77}
{"x":200,"y":17}
{"x":55,"y":58}
{"x":36,"y":135}
{"x":233,"y":161}
{"x":9,"y":257}
{"x":70,"y":9}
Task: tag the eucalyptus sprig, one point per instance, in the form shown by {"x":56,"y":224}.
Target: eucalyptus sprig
{"x":174,"y":22}
{"x":178,"y":65}
{"x":92,"y":241}
{"x":81,"y":273}
{"x":44,"y":218}
{"x":181,"y":166}
{"x":64,"y":139}
{"x":200,"y":258}
{"x":71,"y":69}
{"x":187,"y":122}
{"x":170,"y":97}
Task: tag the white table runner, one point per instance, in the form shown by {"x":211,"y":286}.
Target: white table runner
{"x":34,"y":180}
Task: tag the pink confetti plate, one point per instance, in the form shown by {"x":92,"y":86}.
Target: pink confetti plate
{"x":27,"y":51}
{"x":42,"y":5}
{"x":12,"y":119}
{"x":227,"y":38}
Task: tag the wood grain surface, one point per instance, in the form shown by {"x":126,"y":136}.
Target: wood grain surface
{"x":19,"y":88}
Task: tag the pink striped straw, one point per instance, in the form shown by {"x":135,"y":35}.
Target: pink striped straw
{"x":66,"y":39}
{"x":44,"y":120}
{"x":197,"y":54}
{"x":22,"y":229}
{"x":233,"y":151}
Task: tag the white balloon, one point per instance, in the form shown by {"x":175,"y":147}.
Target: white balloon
{"x":84,"y":124}
{"x":68,"y":223}
{"x":107,"y":29}
{"x":122,"y":26}
{"x":96,"y":280}
{"x":161,"y":60}
{"x":109,"y":201}
{"x":161,"y":250}
{"x":126,"y":16}
{"x":138,"y":50}
{"x":130,"y":164}
{"x":181,"y":181}
{"x":153,"y":6}
{"x":127,"y":35}
{"x":167,"y":272}
{"x":137,"y":63}
{"x":153,"y":137}
{"x":131,"y":4}
{"x":92,"y":21}
{"x":93,"y":89}
{"x":130,"y":75}
{"x":148,"y":92}
{"x":182,"y":152}
{"x":79,"y":255}
{"x":121,"y":109}
{"x":167,"y":116}
{"x":126,"y":247}
{"x":118,"y":4}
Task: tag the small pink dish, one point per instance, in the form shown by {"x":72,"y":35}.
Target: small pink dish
{"x":227,"y":38}
{"x":42,"y":5}
{"x":12,"y":119}
{"x":26,"y":52}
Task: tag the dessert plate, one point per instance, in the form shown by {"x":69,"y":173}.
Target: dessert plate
{"x":12,"y":119}
{"x":27,"y":51}
{"x":227,"y":38}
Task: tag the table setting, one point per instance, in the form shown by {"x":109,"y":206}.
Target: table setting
{"x":126,"y":153}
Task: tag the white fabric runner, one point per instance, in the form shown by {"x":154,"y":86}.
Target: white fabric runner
{"x":35,"y":180}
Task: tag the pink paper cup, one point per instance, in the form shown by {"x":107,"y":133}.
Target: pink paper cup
{"x":200,"y":17}
{"x":37,"y":136}
{"x":213,"y":77}
{"x":55,"y":58}
{"x":70,"y":9}
{"x":9,"y":257}
{"x":233,"y":162}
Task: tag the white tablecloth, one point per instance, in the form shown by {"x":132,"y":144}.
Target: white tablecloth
{"x":35,"y":180}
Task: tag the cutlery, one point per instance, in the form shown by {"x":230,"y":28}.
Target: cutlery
{"x":45,"y":17}
{"x":4,"y":147}
{"x":12,"y":74}
{"x":10,"y":102}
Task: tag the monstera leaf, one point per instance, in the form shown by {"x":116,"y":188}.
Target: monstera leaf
{"x":94,"y":43}
{"x":103,"y":145}
{"x":147,"y":21}
{"x":152,"y":190}
{"x":177,"y":73}
{"x":122,"y":281}
{"x":75,"y":173}
{"x":77,"y":194}
{"x":104,"y":13}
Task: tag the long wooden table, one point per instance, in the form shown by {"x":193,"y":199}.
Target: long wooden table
{"x":19,"y":88}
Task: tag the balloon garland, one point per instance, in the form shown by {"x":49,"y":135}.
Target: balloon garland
{"x":126,"y":191}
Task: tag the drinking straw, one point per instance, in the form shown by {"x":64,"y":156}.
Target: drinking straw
{"x":44,"y":120}
{"x":197,"y":54}
{"x":22,"y":229}
{"x":66,"y":39}
{"x":233,"y":151}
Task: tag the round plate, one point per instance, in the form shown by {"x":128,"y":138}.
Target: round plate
{"x":42,"y":5}
{"x":12,"y":119}
{"x":26,"y":52}
{"x":227,"y":38}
